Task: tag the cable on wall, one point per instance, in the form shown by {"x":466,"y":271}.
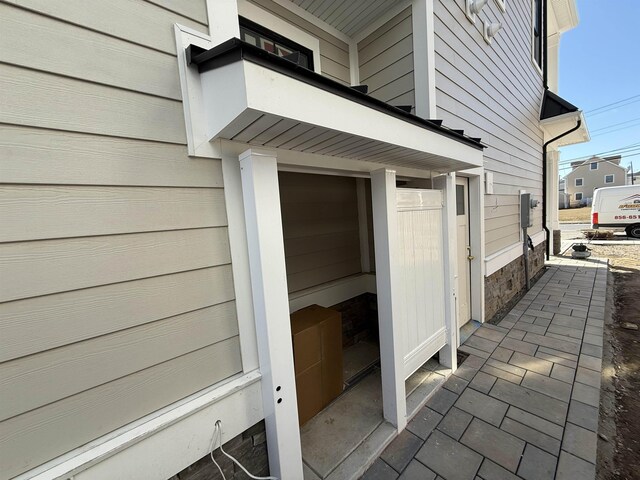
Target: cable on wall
{"x":217,"y":433}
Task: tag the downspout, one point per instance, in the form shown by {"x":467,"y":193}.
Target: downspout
{"x":546,"y":144}
{"x":544,"y":181}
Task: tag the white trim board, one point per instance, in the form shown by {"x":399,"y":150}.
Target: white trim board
{"x":496,"y":261}
{"x":331,"y":293}
{"x":164,"y":442}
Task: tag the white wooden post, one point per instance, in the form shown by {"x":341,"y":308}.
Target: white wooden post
{"x":260,"y":191}
{"x":385,"y":228}
{"x":447,"y":183}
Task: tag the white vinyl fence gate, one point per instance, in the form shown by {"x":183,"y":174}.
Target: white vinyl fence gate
{"x":421,"y":257}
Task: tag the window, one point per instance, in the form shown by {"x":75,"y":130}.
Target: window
{"x":608,"y":178}
{"x":579,"y":182}
{"x":593,"y":166}
{"x":537,"y":32}
{"x":579,"y":196}
{"x":272,"y":42}
{"x":460,"y":200}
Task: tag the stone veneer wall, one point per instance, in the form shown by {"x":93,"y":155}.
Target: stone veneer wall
{"x":250,"y":448}
{"x":359,"y":318}
{"x":502,"y":286}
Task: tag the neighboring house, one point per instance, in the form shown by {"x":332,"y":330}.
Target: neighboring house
{"x":171,"y":194}
{"x":588,"y":175}
{"x":563,"y":196}
{"x":633,"y":178}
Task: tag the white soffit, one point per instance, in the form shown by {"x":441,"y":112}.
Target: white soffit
{"x":348,"y":17}
{"x":566,"y":14}
{"x":555,"y":126}
{"x":249,"y":103}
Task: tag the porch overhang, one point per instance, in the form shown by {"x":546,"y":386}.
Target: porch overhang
{"x":558,"y":116}
{"x":255,"y":97}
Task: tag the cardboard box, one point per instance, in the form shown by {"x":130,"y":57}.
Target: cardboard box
{"x":317,"y":352}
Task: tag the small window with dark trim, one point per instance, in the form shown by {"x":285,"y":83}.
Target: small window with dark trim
{"x":593,"y":166}
{"x":537,"y":32}
{"x":275,"y":43}
{"x":578,"y":195}
{"x":579,"y":182}
{"x":608,"y":178}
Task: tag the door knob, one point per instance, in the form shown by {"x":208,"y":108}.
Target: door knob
{"x":469,"y":256}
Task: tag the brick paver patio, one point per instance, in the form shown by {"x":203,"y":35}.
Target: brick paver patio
{"x":524,"y":404}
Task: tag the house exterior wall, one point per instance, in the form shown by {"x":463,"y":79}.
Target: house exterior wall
{"x":334,"y":53}
{"x":120,"y":295}
{"x":385,"y":60}
{"x":320,"y":227}
{"x":592,"y":179}
{"x":494,"y":92}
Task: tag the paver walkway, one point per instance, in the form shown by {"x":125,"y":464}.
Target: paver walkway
{"x":524,"y":404}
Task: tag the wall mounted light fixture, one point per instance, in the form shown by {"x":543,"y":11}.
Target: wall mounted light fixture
{"x":490,"y":30}
{"x":473,"y":7}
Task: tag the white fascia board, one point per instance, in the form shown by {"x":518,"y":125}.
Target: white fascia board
{"x":243,"y":85}
{"x":164,"y":442}
{"x":496,"y":261}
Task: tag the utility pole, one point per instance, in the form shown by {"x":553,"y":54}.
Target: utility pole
{"x":632,"y":174}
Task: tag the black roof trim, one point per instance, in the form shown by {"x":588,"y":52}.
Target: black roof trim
{"x":553,"y":105}
{"x":235,"y":50}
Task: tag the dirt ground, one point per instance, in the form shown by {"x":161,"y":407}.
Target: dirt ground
{"x":619,"y":442}
{"x":575,"y":215}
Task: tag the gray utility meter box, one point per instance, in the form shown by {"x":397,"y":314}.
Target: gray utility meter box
{"x":526,"y":220}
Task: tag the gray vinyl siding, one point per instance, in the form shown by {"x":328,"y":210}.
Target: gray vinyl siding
{"x":117,"y":292}
{"x":385,"y":59}
{"x":320,"y":226}
{"x":334,"y":53}
{"x":494,"y":92}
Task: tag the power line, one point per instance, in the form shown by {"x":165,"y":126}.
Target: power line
{"x":606,"y":159}
{"x":612,"y":103}
{"x":614,"y":151}
{"x":613,"y":107}
{"x":599,"y":161}
{"x":615,"y":125}
{"x":615,"y":130}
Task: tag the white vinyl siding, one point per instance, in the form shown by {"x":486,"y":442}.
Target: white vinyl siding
{"x":334,"y":53}
{"x":320,"y":226}
{"x":493,"y":92}
{"x":121,"y":294}
{"x":386,"y":61}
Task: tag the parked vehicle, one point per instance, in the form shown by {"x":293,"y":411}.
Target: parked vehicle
{"x":617,"y":208}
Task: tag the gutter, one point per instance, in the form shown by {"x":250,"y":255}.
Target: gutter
{"x":544,"y":181}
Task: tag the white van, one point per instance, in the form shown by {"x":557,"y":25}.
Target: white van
{"x":617,"y":208}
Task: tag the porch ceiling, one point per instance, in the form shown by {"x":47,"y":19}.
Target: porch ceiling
{"x":348,"y":17}
{"x":254,"y":97}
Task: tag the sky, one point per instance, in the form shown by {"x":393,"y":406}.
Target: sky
{"x":600,"y":65}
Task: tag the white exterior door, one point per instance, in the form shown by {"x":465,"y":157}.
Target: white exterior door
{"x":464,"y":251}
{"x":421,"y":259}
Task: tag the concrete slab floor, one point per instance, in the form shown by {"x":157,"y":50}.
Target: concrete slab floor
{"x":346,"y":437}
